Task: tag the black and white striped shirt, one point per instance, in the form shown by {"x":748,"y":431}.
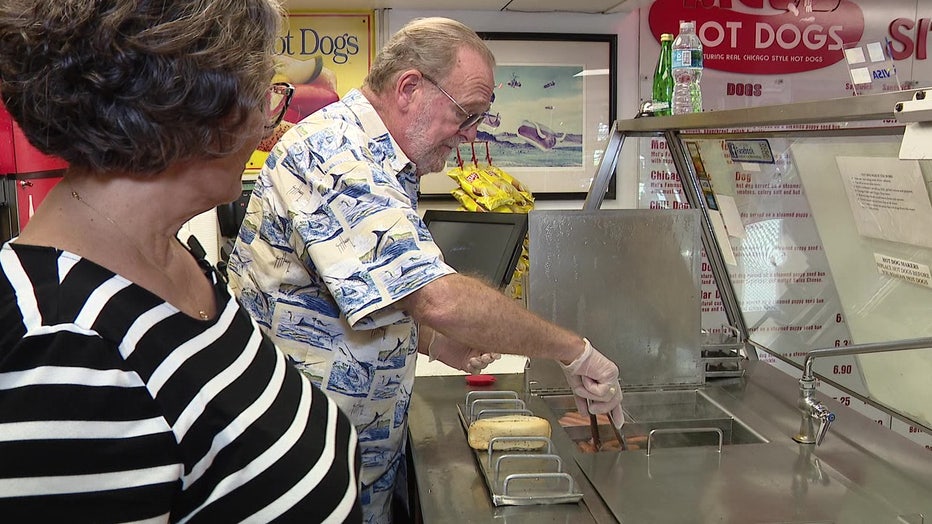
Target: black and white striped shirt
{"x":115,"y":406}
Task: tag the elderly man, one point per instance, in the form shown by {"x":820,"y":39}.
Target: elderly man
{"x":335,"y":264}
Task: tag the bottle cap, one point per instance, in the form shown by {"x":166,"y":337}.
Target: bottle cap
{"x":666,"y":36}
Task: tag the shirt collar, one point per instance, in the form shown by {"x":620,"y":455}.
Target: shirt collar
{"x":375,"y":129}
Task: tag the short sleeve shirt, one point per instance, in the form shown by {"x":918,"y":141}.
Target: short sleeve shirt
{"x":330,"y":242}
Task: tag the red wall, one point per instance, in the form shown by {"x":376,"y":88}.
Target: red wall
{"x":36,"y":173}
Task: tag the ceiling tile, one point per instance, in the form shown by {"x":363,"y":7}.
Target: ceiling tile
{"x":530,"y":6}
{"x":574,"y":6}
{"x":350,"y":5}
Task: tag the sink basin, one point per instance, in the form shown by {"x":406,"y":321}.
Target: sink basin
{"x":669,"y":411}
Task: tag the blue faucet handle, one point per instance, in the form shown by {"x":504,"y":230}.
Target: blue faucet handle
{"x":826,"y":418}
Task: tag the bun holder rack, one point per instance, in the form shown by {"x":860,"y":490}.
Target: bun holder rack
{"x":517,"y":478}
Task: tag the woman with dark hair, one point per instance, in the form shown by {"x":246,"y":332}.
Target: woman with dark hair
{"x":132,"y":385}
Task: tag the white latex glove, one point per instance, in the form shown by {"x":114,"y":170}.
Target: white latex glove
{"x":459,"y":356}
{"x":594,"y":377}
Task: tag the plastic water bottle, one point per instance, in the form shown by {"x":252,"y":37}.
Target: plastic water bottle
{"x":687,"y":70}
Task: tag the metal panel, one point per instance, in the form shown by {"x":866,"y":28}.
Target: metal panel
{"x":824,"y":112}
{"x":628,"y":279}
{"x":749,"y":483}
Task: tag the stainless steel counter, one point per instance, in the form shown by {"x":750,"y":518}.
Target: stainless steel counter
{"x":862,"y":473}
{"x":450,"y":485}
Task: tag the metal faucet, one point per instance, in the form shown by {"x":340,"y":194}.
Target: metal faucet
{"x":812,"y":409}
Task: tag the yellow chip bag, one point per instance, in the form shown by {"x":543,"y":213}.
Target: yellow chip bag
{"x":481,"y":189}
{"x":468,"y":203}
{"x":512,"y":181}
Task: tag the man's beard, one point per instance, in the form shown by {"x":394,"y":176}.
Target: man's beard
{"x":427,"y":157}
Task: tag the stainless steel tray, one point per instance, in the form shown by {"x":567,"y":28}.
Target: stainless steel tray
{"x":517,"y":478}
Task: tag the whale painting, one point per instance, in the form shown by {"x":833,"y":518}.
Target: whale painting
{"x":537,"y":117}
{"x":552,"y":107}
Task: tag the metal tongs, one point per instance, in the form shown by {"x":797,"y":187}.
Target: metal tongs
{"x":594,"y":429}
{"x":622,"y":443}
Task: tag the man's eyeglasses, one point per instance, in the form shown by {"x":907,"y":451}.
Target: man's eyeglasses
{"x":278,"y":98}
{"x":471,"y":118}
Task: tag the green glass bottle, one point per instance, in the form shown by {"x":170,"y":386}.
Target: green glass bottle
{"x":662,"y":92}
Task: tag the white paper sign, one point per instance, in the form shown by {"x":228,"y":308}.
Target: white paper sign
{"x":905,"y":269}
{"x":854,"y":55}
{"x":721,"y":234}
{"x":888,"y":198}
{"x":731,"y":216}
{"x":875,"y":51}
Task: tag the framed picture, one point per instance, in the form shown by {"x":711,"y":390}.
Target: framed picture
{"x":553,"y":108}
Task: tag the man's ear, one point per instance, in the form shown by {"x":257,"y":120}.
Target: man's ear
{"x":407,"y":88}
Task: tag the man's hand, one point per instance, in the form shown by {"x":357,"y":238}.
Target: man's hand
{"x":459,"y":356}
{"x":594,"y":377}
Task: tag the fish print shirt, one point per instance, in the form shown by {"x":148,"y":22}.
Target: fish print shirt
{"x":330,"y":242}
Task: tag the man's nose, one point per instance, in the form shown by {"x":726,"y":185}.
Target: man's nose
{"x":469,"y":134}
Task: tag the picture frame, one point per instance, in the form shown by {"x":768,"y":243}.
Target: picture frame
{"x":553,"y":108}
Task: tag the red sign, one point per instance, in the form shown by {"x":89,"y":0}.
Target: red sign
{"x":753,"y":37}
{"x":901,"y":32}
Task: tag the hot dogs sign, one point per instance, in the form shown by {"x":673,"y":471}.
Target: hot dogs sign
{"x":763,"y":52}
{"x":765,"y":36}
{"x":323,"y":55}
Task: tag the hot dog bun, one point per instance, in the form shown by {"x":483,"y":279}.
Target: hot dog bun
{"x":484,"y":430}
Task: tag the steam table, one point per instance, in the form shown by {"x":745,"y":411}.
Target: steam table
{"x":861,"y":473}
